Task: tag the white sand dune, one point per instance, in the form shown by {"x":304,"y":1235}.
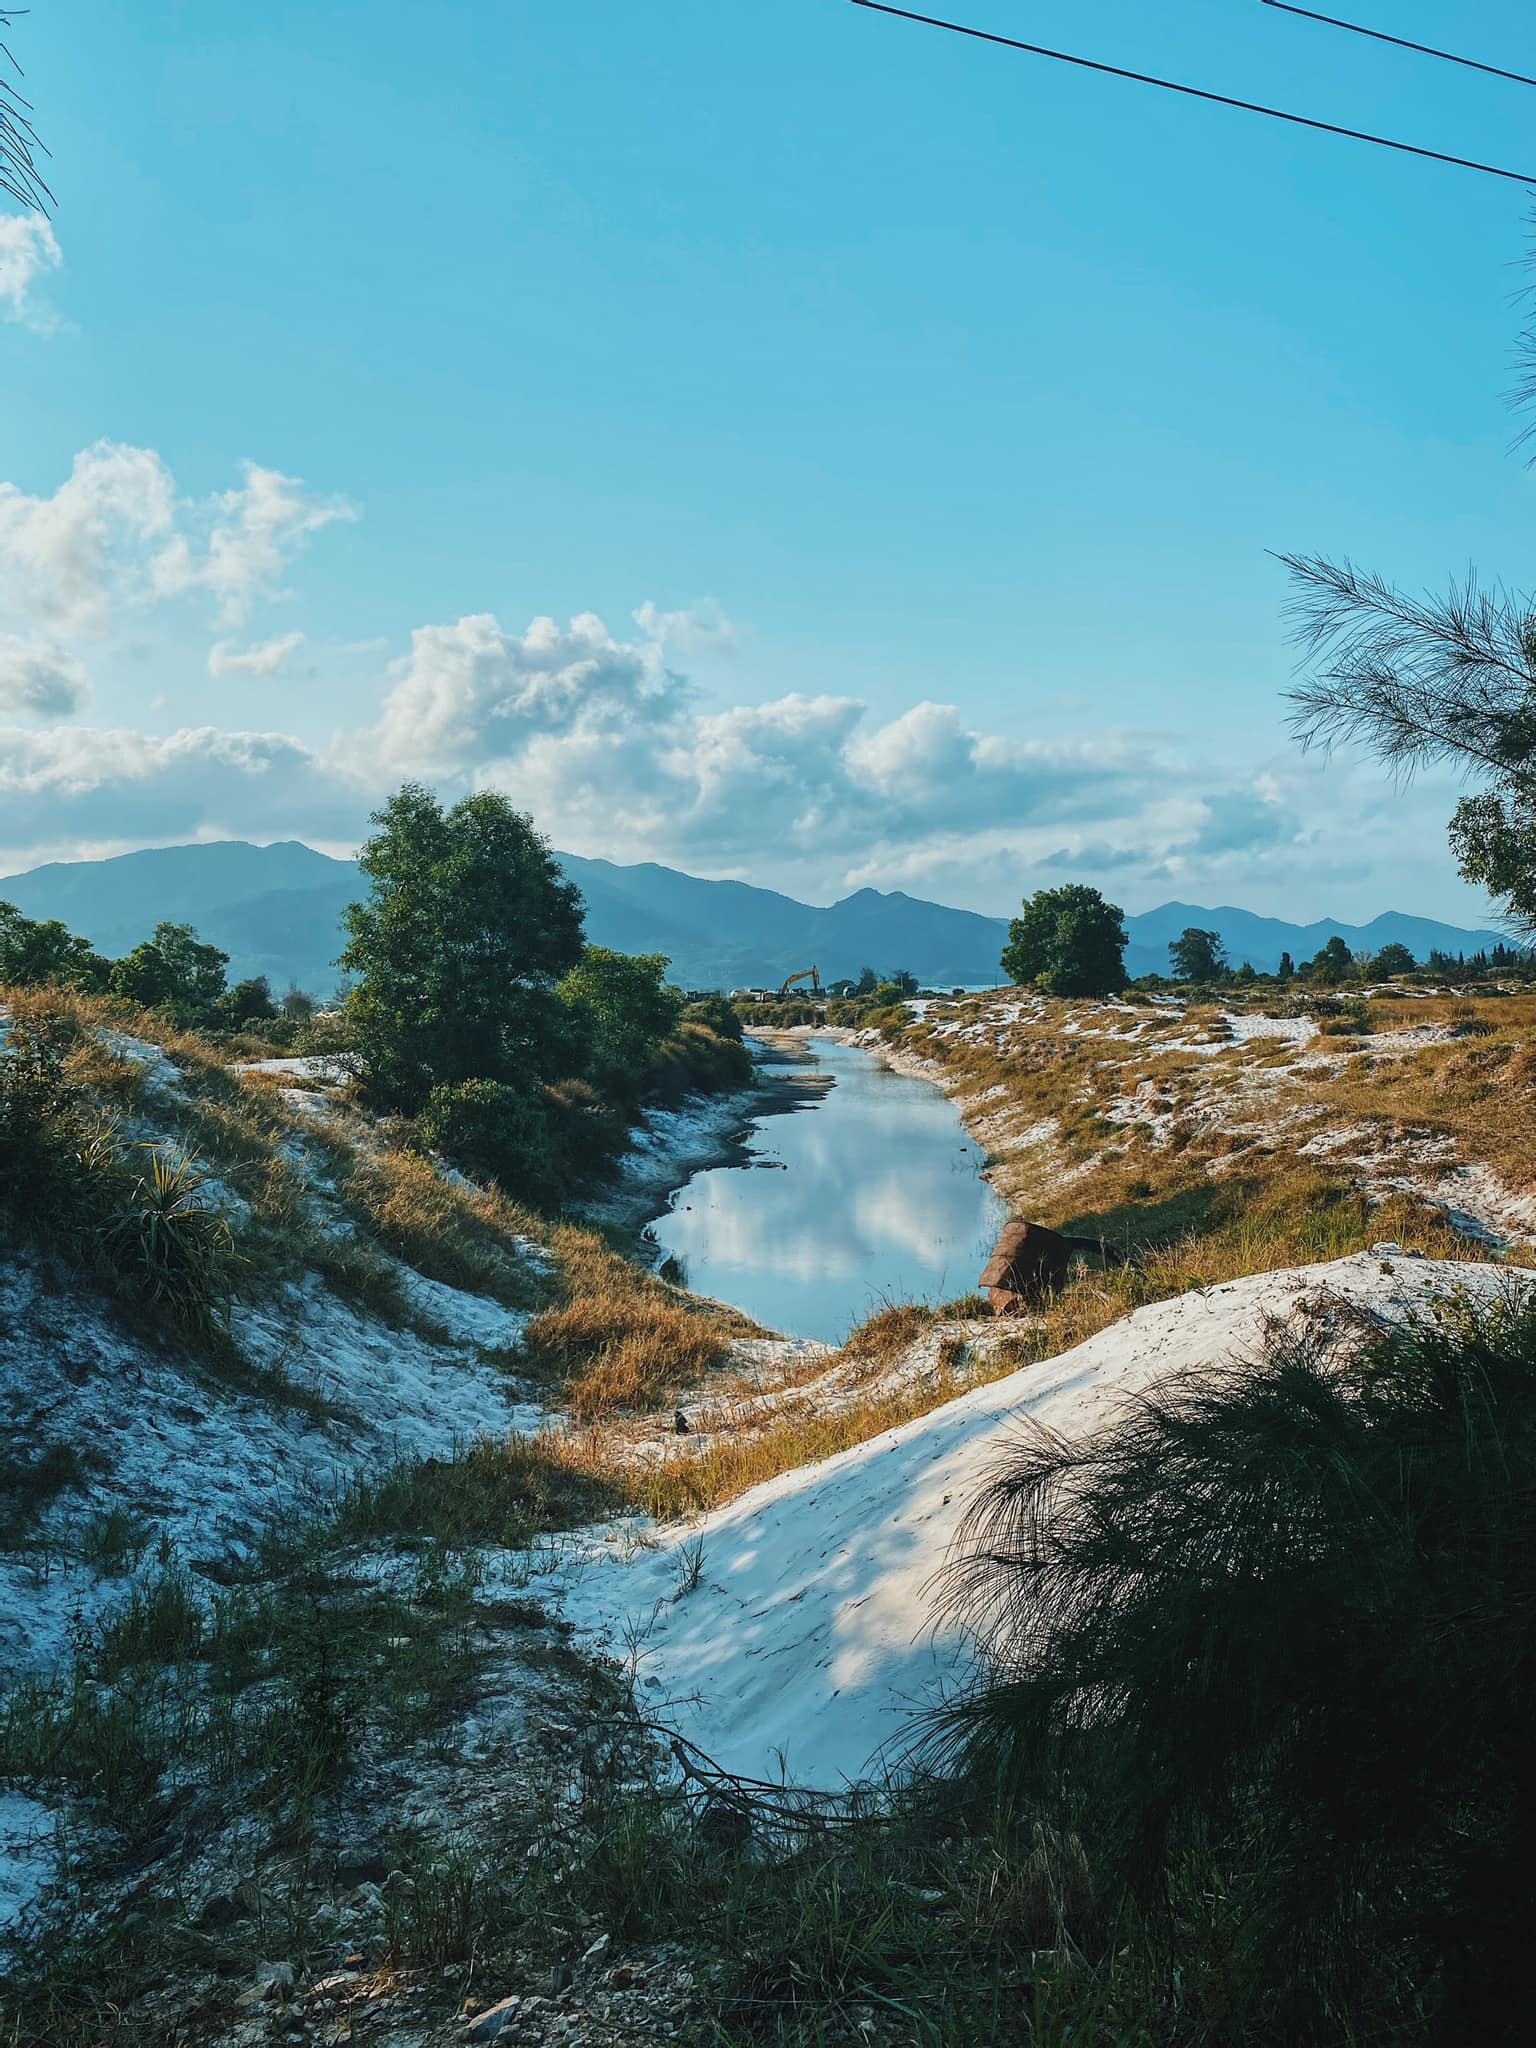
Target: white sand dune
{"x":811,"y":1633}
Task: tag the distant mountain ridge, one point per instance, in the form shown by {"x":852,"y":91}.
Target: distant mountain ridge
{"x":276,"y":910}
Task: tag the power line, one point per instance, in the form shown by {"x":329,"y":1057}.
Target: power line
{"x":1194,"y":92}
{"x":1380,"y":36}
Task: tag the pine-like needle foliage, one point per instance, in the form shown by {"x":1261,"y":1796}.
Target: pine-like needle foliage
{"x":1448,"y":678}
{"x":19,"y":145}
{"x":1282,"y":1624}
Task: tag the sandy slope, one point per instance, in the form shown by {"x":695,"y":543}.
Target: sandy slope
{"x":811,"y":1632}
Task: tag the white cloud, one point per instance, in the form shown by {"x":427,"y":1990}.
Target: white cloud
{"x":251,"y":534}
{"x":701,"y":629}
{"x":75,"y":786}
{"x":64,"y":557}
{"x":614,"y":754}
{"x":263,"y":658}
{"x":39,"y":680}
{"x":28,"y":250}
{"x":471,"y":693}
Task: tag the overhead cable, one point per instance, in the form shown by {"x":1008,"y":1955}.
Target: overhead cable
{"x":1193,"y":92}
{"x":1378,"y":35}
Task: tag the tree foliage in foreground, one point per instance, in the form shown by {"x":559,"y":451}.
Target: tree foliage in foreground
{"x":1433,"y":679}
{"x":1284,"y":1621}
{"x":1068,"y":941}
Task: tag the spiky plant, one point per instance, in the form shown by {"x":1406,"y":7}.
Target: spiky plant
{"x":175,"y":1247}
{"x":1282,"y":1623}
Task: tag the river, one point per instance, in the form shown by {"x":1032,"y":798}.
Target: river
{"x":868,"y":1193}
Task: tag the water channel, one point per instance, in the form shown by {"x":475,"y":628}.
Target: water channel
{"x":868,"y":1192}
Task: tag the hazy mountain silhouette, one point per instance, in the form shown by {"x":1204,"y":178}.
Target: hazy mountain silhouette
{"x":276,"y":911}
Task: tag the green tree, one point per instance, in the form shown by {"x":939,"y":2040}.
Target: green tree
{"x":33,"y":951}
{"x":1333,"y":964}
{"x":173,"y":970}
{"x":1393,"y":959}
{"x":248,"y":1002}
{"x":1068,"y":941}
{"x":629,"y":1008}
{"x":1286,"y":971}
{"x":457,"y":952}
{"x":867,"y":983}
{"x":905,"y":980}
{"x":1198,"y":955}
{"x":298,"y":1004}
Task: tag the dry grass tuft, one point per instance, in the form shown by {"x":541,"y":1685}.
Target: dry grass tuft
{"x":619,"y":1339}
{"x":451,"y":1230}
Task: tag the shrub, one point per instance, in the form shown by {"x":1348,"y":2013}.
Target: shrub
{"x":495,"y":1130}
{"x":716,"y":1013}
{"x":175,"y":1253}
{"x":66,"y":1184}
{"x":1280,"y":1622}
{"x":697,"y":1061}
{"x":586,"y":1132}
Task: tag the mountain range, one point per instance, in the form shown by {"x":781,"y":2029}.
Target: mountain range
{"x":276,"y":911}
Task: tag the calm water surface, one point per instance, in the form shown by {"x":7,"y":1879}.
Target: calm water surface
{"x":870,"y":1194}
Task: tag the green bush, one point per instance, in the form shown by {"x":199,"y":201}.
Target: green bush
{"x":1280,"y":1627}
{"x":716,"y":1013}
{"x":173,"y":1252}
{"x":695,"y":1061}
{"x":496,"y":1131}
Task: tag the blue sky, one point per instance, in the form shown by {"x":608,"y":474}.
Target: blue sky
{"x":934,"y":409}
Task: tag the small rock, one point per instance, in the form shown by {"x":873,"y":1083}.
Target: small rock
{"x":595,"y":1954}
{"x":488,"y":2024}
{"x":622,"y":1977}
{"x":680,"y":1423}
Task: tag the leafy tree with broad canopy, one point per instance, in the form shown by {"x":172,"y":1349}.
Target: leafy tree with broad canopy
{"x":1198,"y":955}
{"x":459,"y":950}
{"x":1393,"y":959}
{"x":34,"y":950}
{"x":173,"y":970}
{"x":1332,"y":964}
{"x":1069,"y":941}
{"x":629,"y":1007}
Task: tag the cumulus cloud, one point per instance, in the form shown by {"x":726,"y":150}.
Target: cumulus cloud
{"x":38,"y":680}
{"x":262,"y":658}
{"x":28,"y":250}
{"x":471,"y":693}
{"x":116,"y":536}
{"x":615,"y":753}
{"x":252,"y":533}
{"x":74,"y":786}
{"x":64,"y":557}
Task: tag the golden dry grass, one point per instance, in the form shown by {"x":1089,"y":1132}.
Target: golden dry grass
{"x":448,"y":1229}
{"x":620,"y":1340}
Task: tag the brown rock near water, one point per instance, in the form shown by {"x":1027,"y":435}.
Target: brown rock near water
{"x":1029,"y":1262}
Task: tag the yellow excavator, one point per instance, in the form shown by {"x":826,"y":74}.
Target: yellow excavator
{"x":806,"y":974}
